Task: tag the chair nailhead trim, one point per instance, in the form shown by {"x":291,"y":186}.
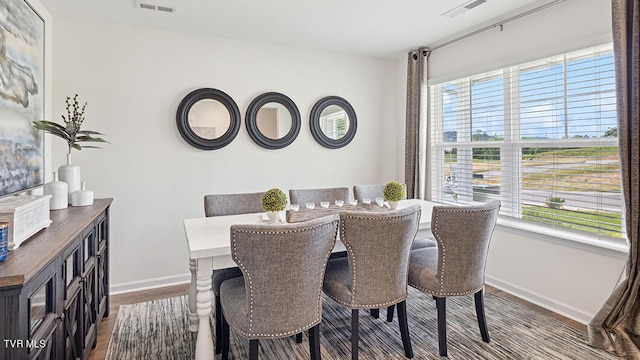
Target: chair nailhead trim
{"x":265,"y":335}
{"x":440,"y":293}
{"x":248,"y":334}
{"x":368,"y":306}
{"x":286,"y":231}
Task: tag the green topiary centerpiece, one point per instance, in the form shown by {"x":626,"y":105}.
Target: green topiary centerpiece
{"x":274,"y":200}
{"x":393,"y":193}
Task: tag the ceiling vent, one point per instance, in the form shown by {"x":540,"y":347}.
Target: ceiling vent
{"x":155,"y":7}
{"x":463,"y":8}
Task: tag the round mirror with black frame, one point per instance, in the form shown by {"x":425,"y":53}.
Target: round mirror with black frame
{"x":273,"y":120}
{"x":208,"y":119}
{"x":333,"y":122}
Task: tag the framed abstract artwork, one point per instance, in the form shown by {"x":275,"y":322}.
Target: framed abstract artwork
{"x":22,"y":37}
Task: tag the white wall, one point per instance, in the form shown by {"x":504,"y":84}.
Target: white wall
{"x":568,"y":26}
{"x":570,"y":278}
{"x":134,"y":79}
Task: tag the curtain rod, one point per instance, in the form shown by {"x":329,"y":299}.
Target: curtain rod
{"x":499,"y":24}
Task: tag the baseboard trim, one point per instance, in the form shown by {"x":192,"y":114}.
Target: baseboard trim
{"x":530,"y":296}
{"x":149,"y":284}
{"x":548,"y":303}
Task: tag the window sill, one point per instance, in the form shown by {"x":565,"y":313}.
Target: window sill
{"x":604,"y":245}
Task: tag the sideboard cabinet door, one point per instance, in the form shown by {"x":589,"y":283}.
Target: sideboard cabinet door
{"x":89,"y":291}
{"x":72,"y":321}
{"x":44,"y":324}
{"x":102,"y":256}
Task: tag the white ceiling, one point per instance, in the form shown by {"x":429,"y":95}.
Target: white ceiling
{"x":378,"y":28}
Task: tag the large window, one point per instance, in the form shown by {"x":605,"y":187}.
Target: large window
{"x":541,"y":137}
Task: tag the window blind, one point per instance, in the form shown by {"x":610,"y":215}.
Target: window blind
{"x":541,"y":137}
{"x":334,"y":124}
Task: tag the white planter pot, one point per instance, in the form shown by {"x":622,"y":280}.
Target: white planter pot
{"x":273,"y":217}
{"x":82,"y":197}
{"x":59,"y":193}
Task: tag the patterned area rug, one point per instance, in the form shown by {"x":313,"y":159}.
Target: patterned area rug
{"x":159,"y":330}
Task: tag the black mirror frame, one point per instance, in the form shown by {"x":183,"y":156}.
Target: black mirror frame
{"x":182,"y":119}
{"x":314,"y":122}
{"x":251,"y":121}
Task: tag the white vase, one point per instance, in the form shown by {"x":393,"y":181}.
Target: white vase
{"x":393,"y":204}
{"x":273,"y":217}
{"x":59,"y":193}
{"x":82,"y":197}
{"x":70,"y":173}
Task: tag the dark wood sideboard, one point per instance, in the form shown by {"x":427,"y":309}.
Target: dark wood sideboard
{"x":54,"y":289}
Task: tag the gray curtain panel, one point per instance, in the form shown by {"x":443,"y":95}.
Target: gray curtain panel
{"x":616,"y":327}
{"x":416,"y":127}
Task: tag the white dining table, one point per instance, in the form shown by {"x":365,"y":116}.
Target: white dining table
{"x":208,"y":240}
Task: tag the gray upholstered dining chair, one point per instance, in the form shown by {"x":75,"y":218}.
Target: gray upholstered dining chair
{"x":369,"y":191}
{"x":457,"y":266}
{"x":220,"y":205}
{"x":280,"y":293}
{"x":303,"y":196}
{"x":374,"y":272}
{"x":233,"y":204}
{"x":423,"y":238}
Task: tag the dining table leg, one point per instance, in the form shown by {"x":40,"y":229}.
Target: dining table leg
{"x":193,"y":315}
{"x":204,"y":341}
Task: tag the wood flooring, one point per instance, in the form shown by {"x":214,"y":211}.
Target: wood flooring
{"x":106,"y":327}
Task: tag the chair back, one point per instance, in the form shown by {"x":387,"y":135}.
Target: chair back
{"x":370,"y":191}
{"x":233,"y":204}
{"x":283,"y":268}
{"x":303,"y":196}
{"x":463,"y":234}
{"x":378,"y":246}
